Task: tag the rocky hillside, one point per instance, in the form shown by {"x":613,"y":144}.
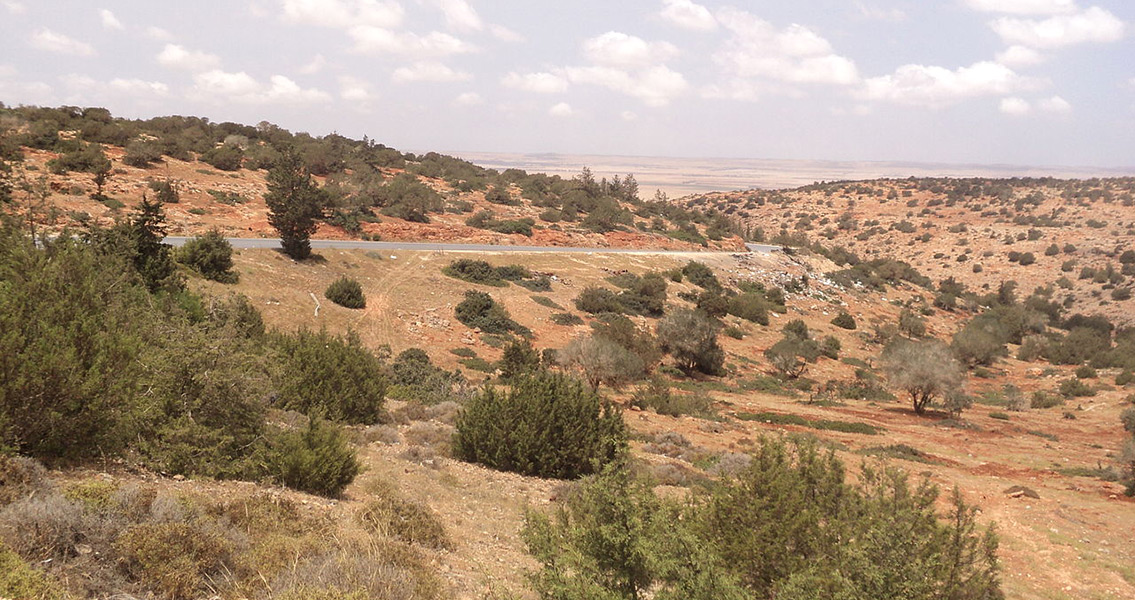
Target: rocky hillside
{"x":1074,"y":237}
{"x":84,"y":166}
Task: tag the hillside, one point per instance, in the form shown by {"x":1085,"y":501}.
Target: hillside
{"x":291,"y":447}
{"x":216,"y":174}
{"x":1070,"y":235}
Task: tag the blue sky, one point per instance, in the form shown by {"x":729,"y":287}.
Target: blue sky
{"x":1026,"y":82}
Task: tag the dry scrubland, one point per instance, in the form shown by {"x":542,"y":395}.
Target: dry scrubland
{"x":1074,"y":541}
{"x":1036,"y":452}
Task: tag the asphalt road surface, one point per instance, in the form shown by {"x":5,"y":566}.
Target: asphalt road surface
{"x":428,"y":246}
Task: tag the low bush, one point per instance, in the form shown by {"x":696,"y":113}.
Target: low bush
{"x":211,"y":255}
{"x":656,"y":395}
{"x":547,"y":425}
{"x":318,"y":459}
{"x":346,"y":292}
{"x":479,"y":311}
{"x":390,"y":515}
{"x":844,"y":320}
{"x":1075,"y":388}
{"x":334,"y":377}
{"x":566,"y":319}
{"x":18,"y":580}
{"x":174,"y":559}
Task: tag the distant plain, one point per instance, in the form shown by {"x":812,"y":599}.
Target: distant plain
{"x":683,"y":176}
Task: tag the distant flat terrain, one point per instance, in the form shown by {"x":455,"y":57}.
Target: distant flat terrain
{"x":684,"y":176}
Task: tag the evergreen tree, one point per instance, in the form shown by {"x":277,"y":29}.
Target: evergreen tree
{"x":294,"y":204}
{"x":152,"y":257}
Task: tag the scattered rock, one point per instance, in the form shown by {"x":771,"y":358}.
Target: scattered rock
{"x":1018,"y":491}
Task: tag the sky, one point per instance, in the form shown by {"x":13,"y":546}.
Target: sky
{"x":1017,"y":82}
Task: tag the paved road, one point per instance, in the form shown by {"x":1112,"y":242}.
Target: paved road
{"x":428,"y":246}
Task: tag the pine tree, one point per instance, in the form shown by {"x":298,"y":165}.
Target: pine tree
{"x":294,"y":204}
{"x":152,"y":257}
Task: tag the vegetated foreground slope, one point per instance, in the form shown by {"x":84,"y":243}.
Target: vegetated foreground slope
{"x":1033,"y":424}
{"x":1076,"y":236}
{"x":1080,"y":522}
{"x":86,"y":166}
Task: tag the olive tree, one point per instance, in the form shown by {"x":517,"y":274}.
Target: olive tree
{"x":924,"y":369}
{"x":691,"y":338}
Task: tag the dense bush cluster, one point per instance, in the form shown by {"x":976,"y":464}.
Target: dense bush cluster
{"x":346,"y":292}
{"x":547,"y":425}
{"x":101,"y":356}
{"x":788,"y":526}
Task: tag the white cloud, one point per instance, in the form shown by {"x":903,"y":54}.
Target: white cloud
{"x":505,"y":34}
{"x":157,"y":33}
{"x":344,"y":14}
{"x":563,"y":109}
{"x":655,"y":86}
{"x":428,"y":71}
{"x":7,"y":70}
{"x":878,"y":13}
{"x":134,"y":89}
{"x":1024,"y":7}
{"x":16,"y":8}
{"x":377,"y":40}
{"x":468,"y":99}
{"x":315,"y":65}
{"x":1094,"y":25}
{"x":174,"y":56}
{"x":109,"y":21}
{"x":460,"y":16}
{"x":1019,"y":56}
{"x":540,"y":83}
{"x":793,"y":54}
{"x":221,"y":86}
{"x":1055,"y":104}
{"x":627,"y":51}
{"x":52,"y":41}
{"x":1015,"y":107}
{"x":688,"y":15}
{"x":354,"y":89}
{"x":628,"y":115}
{"x":933,"y":86}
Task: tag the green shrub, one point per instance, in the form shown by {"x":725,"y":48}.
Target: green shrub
{"x":844,"y":320}
{"x":567,"y":319}
{"x":479,"y":364}
{"x":463,"y":352}
{"x":1074,"y":388}
{"x":657,"y":395}
{"x":791,"y":527}
{"x":323,"y":374}
{"x":346,"y":292}
{"x":1041,"y":399}
{"x":224,"y":158}
{"x":318,"y":459}
{"x":1086,"y":372}
{"x":18,"y":580}
{"x":547,"y":302}
{"x":691,"y":339}
{"x":751,"y":306}
{"x":597,"y":300}
{"x":1125,"y":377}
{"x":547,"y":425}
{"x":700,"y":275}
{"x":479,"y":311}
{"x":211,"y":255}
{"x":474,"y":271}
{"x":73,"y":324}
